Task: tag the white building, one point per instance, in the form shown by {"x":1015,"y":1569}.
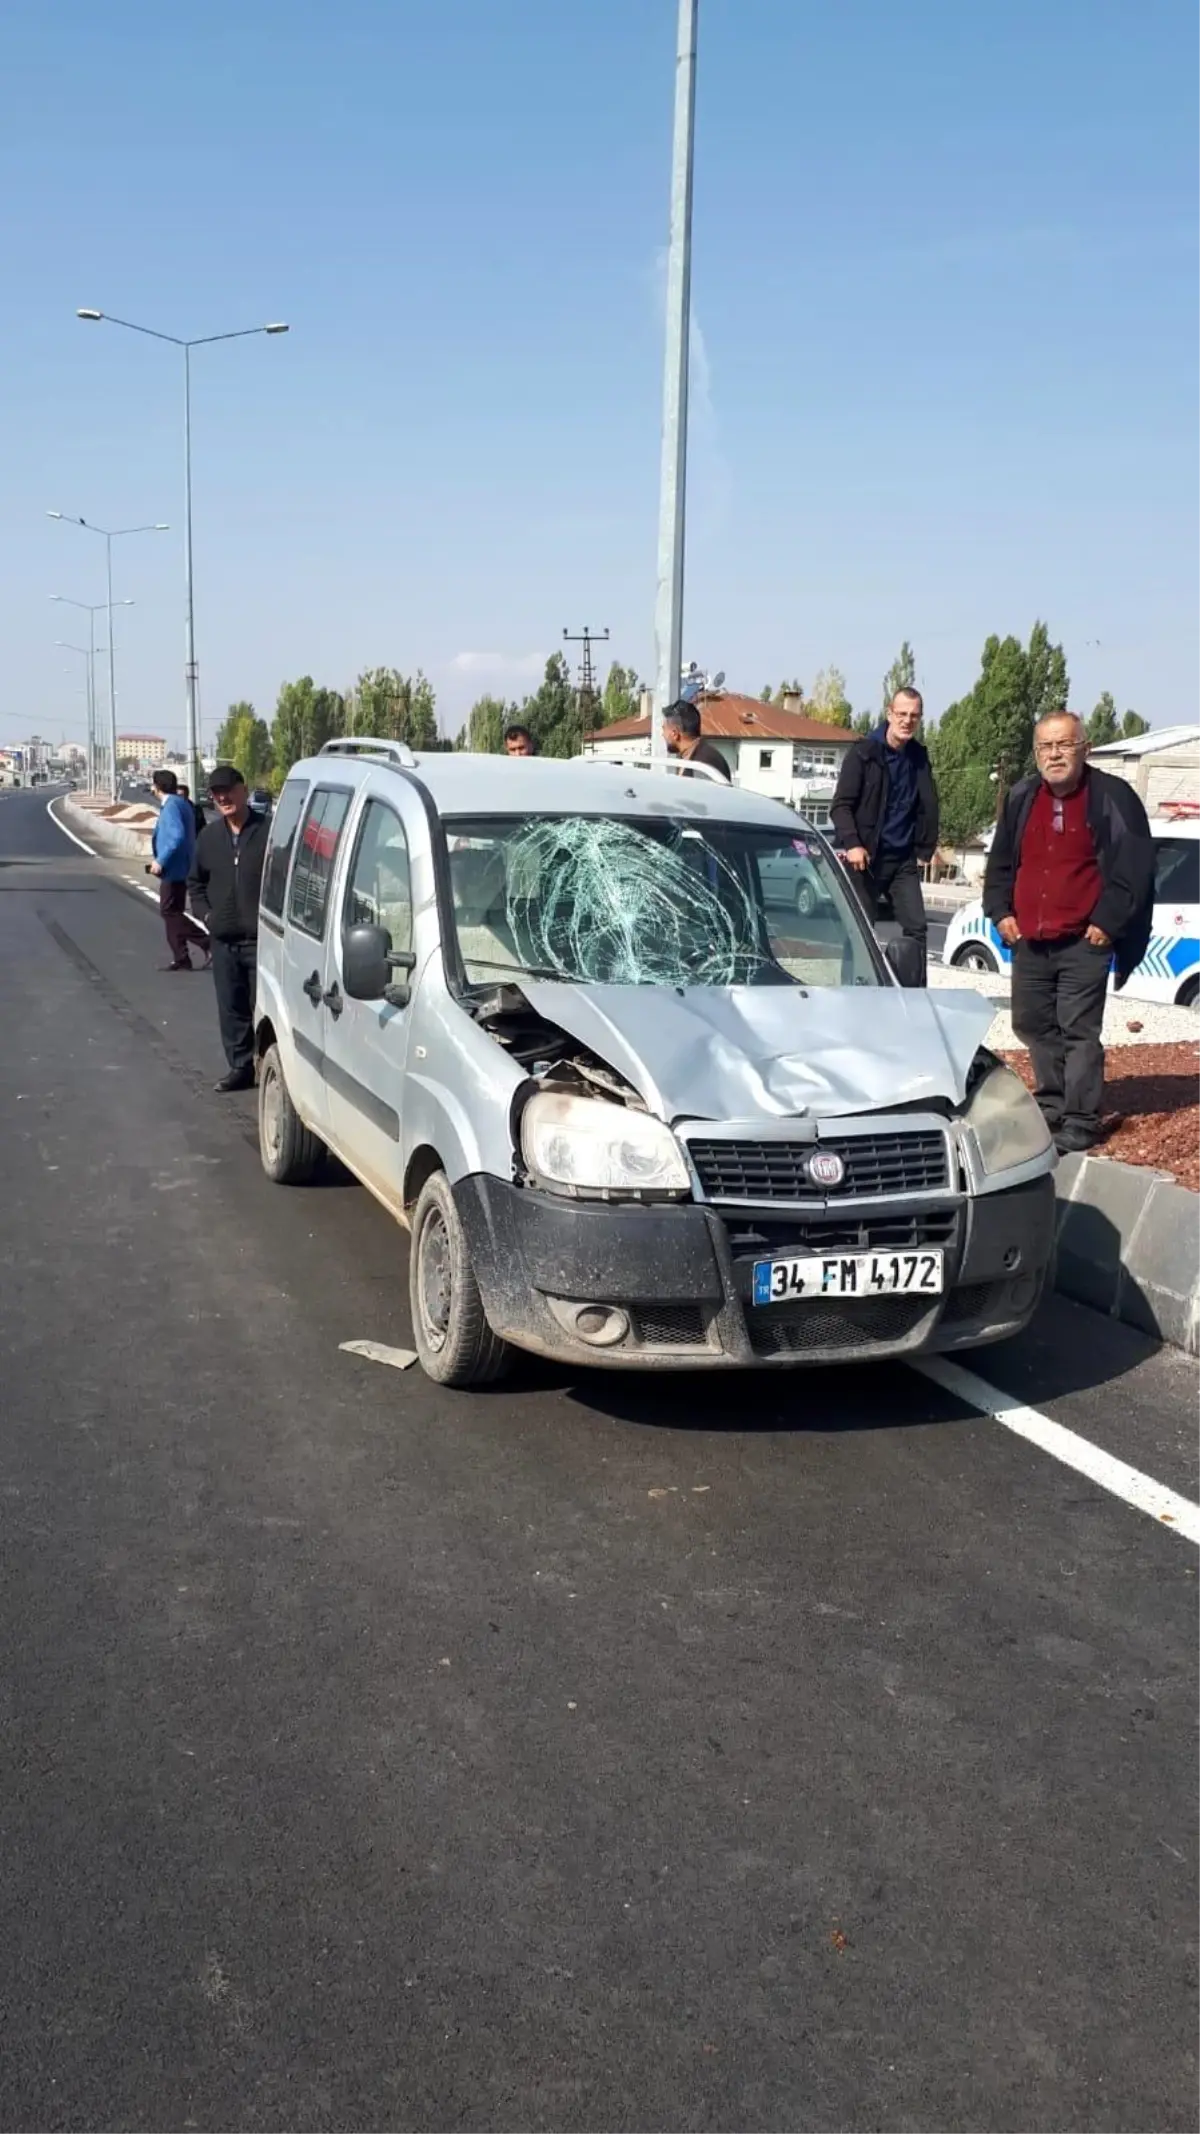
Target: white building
{"x":775,"y":749}
{"x":1163,"y":765}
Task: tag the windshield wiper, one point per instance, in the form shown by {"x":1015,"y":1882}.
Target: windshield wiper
{"x":522,"y":970}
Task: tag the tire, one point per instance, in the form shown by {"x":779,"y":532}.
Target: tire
{"x":806,"y":900}
{"x":454,"y":1341}
{"x":1188,"y":993}
{"x":290,"y":1153}
{"x":975,"y":957}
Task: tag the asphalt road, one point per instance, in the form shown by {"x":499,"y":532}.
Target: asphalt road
{"x":589,"y":1754}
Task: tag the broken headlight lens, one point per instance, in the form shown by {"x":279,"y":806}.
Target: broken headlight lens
{"x":582,"y":1145}
{"x":1007,"y":1125}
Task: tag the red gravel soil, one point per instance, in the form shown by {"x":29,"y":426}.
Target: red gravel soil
{"x":1152,"y":1106}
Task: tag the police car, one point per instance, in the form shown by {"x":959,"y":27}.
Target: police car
{"x":1169,"y":972}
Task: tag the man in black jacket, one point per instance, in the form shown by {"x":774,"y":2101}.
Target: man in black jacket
{"x":225,"y":881}
{"x":885,"y":815}
{"x":1070,"y":887}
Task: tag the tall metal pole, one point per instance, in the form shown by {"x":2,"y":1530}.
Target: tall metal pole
{"x":112,"y":678}
{"x":91,"y":702}
{"x":668,"y":612}
{"x":189,"y":655}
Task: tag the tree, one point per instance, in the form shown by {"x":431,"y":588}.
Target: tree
{"x":765,"y":695}
{"x":1132,"y":725}
{"x":862,"y":723}
{"x":991,"y":730}
{"x":225,"y":734}
{"x":829,"y":702}
{"x":1102,"y":725}
{"x":552,"y":712}
{"x":620,"y":698}
{"x":902,"y":674}
{"x":394,"y":707}
{"x":245,"y":741}
{"x":483,"y":733}
{"x":292,"y":724}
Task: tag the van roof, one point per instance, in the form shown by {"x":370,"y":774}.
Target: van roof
{"x":465,"y":784}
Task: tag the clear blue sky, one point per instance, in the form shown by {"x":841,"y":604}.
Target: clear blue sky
{"x":945,"y":288}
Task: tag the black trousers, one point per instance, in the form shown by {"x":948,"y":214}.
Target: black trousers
{"x":1058,"y":990}
{"x":894,"y":876}
{"x":182,"y":932}
{"x":235,"y":969}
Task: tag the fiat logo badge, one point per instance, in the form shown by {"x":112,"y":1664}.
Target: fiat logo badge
{"x":825,"y":1169}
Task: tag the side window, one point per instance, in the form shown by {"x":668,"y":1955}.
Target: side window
{"x":315,"y":855}
{"x":378,"y":892}
{"x":279,"y":851}
{"x":766,"y":758}
{"x":1177,"y":870}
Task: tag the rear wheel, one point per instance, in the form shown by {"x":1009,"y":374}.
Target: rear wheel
{"x":806,"y":899}
{"x":454,"y":1341}
{"x":975,"y":957}
{"x":290,"y":1152}
{"x":1188,"y":993}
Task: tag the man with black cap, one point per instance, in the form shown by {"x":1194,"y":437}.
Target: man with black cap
{"x":225,"y":882}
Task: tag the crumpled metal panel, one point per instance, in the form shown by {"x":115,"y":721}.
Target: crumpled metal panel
{"x":746,"y":1051}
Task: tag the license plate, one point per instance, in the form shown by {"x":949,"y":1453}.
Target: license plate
{"x":856,"y":1274}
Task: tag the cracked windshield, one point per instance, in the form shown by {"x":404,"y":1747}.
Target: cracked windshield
{"x":598,"y":900}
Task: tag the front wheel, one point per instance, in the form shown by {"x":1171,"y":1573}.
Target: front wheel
{"x":806,"y":900}
{"x":290,"y":1152}
{"x":975,"y":958}
{"x":454,"y":1341}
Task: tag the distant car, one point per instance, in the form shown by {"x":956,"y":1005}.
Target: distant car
{"x":797,"y":879}
{"x":261,"y":800}
{"x":1169,"y":972}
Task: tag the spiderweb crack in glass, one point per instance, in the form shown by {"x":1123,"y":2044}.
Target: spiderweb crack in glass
{"x":596,"y":899}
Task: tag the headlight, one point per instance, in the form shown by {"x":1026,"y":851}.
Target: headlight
{"x":1006,"y":1123}
{"x":583,"y":1145}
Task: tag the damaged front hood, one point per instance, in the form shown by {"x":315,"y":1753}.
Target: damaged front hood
{"x":735,"y":1052}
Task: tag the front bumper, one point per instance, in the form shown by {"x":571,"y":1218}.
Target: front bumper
{"x":681,"y":1277}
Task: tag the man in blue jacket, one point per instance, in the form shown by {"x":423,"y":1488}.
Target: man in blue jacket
{"x":885,"y":816}
{"x":173,"y":844}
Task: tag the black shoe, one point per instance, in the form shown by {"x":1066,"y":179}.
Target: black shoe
{"x":188,"y":966}
{"x":1074,"y":1140}
{"x":229,"y":1082}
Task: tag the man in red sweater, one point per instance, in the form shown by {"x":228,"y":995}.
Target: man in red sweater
{"x":1070,"y":888}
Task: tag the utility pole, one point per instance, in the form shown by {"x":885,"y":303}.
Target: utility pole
{"x":668,"y":612}
{"x":588,"y":694}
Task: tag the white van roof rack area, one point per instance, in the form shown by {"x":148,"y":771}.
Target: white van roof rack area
{"x":369,"y":745}
{"x":679,"y":765}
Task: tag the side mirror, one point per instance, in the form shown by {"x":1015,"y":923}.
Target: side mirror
{"x":366,"y":972}
{"x":905,"y":961}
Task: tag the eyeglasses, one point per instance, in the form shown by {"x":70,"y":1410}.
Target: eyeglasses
{"x":1050,"y":749}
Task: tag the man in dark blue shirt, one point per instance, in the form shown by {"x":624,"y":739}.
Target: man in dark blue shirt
{"x":885,"y":815}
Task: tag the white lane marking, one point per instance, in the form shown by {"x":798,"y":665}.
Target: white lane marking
{"x":60,"y":825}
{"x":379,"y":1352}
{"x":1141,"y":1491}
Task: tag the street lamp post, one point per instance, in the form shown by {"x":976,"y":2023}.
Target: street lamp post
{"x":91,"y":610}
{"x":110,"y":534}
{"x":191,"y":670}
{"x":668,"y":612}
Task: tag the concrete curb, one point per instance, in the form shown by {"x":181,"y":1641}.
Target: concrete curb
{"x":97,"y":829}
{"x":1129,"y":1245}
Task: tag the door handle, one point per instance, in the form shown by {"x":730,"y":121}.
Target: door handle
{"x":333,"y":999}
{"x":312,"y":986}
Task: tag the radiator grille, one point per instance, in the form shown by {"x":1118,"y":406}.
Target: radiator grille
{"x":785,"y":1237}
{"x":776,"y":1170}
